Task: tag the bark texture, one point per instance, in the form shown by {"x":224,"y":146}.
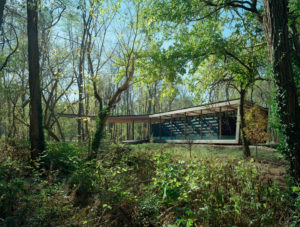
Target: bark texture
{"x":276,"y":30}
{"x":246,"y":150}
{"x":2,"y":4}
{"x":36,"y":128}
{"x":104,"y":112}
{"x":99,"y":134}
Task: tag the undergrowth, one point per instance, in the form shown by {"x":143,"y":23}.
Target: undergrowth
{"x":123,"y":187}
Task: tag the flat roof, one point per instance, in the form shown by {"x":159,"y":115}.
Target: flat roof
{"x":222,"y":106}
{"x":111,"y":119}
{"x":199,"y":110}
{"x":129,"y":119}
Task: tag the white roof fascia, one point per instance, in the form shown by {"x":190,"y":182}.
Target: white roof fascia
{"x":197,"y":108}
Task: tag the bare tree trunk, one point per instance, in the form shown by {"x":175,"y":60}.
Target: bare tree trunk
{"x":23,"y":114}
{"x":150,"y":101}
{"x":127,"y":112}
{"x":80,"y":104}
{"x":276,"y":30}
{"x":87,"y":104}
{"x":83,"y":47}
{"x":245,"y":143}
{"x":2,"y":4}
{"x":155,"y":98}
{"x":36,"y":128}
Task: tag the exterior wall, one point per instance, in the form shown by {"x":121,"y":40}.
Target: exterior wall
{"x":210,"y":128}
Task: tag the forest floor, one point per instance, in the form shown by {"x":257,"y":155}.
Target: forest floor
{"x":270,"y":162}
{"x":145,"y":185}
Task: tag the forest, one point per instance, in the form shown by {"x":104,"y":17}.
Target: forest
{"x":149,"y":113}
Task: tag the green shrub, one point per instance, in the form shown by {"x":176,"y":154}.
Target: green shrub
{"x":123,"y":187}
{"x":217,"y":193}
{"x":12,"y":187}
{"x":27,"y":198}
{"x":64,"y":157}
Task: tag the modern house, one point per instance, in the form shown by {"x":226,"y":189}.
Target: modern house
{"x":214,"y":123}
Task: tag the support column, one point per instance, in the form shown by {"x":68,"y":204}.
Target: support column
{"x":220,"y":123}
{"x":144,"y":131}
{"x":132,"y":130}
{"x":127,"y":131}
{"x":171,"y":121}
{"x":201,"y":126}
{"x":111,"y":130}
{"x":150,"y":129}
{"x":114,"y":131}
{"x":121,"y":136}
{"x":238,"y":123}
{"x":159,"y":128}
{"x":184,"y":125}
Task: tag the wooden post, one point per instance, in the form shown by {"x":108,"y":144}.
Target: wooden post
{"x":201,"y":125}
{"x":127,"y":131}
{"x":150,"y":129}
{"x":121,"y":136}
{"x":110,"y":130}
{"x":159,"y":128}
{"x":184,"y":125}
{"x":220,"y":123}
{"x":171,"y":121}
{"x":144,"y":130}
{"x":133,"y":130}
{"x":238,"y":122}
{"x":114,"y":131}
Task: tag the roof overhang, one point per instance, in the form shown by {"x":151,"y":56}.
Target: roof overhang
{"x":129,"y":119}
{"x":199,"y":110}
{"x":224,"y":106}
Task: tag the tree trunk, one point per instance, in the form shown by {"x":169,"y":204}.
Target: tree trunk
{"x":276,"y":30}
{"x":2,"y":4}
{"x":87,"y":104}
{"x":52,"y":134}
{"x":99,"y":134}
{"x":245,"y":143}
{"x":36,"y":128}
{"x":80,"y":108}
{"x":80,"y":126}
{"x":127,"y":112}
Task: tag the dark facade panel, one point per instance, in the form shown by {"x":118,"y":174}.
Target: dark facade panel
{"x":205,"y":127}
{"x":229,"y":125}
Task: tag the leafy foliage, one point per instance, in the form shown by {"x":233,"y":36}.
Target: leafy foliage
{"x":256,"y":125}
{"x":140,"y":187}
{"x":62,"y":157}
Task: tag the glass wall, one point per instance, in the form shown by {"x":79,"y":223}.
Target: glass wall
{"x":205,"y":127}
{"x":228,"y":125}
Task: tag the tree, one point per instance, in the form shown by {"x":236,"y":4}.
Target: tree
{"x":2,"y":4}
{"x":7,"y":40}
{"x":36,"y":123}
{"x":233,"y":62}
{"x":276,"y":30}
{"x":87,"y":19}
{"x":256,"y":123}
{"x":127,"y":69}
{"x":273,"y":19}
{"x":118,"y":63}
{"x":234,"y":67}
